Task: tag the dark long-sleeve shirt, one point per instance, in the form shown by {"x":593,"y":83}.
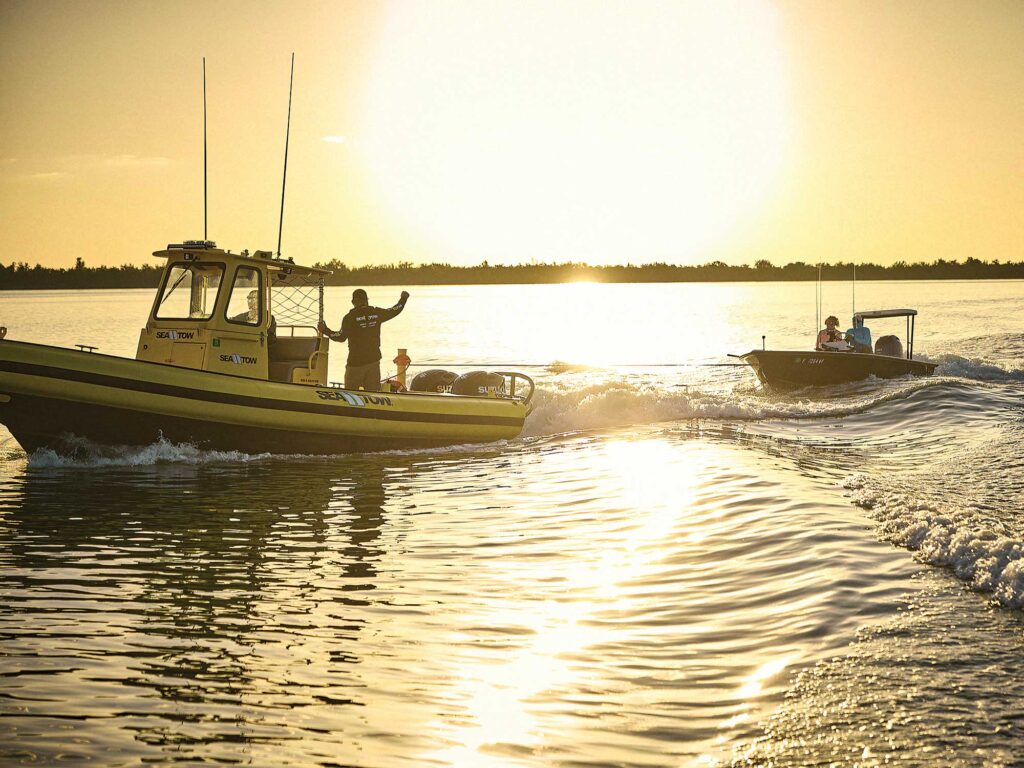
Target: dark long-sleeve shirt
{"x":361,"y":329}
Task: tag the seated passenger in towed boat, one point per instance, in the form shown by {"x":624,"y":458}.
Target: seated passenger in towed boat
{"x":830,"y":339}
{"x":859,"y":336}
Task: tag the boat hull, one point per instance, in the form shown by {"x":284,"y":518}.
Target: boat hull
{"x":50,"y":395}
{"x":785,"y":370}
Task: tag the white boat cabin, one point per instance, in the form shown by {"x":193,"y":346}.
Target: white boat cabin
{"x":243,"y":314}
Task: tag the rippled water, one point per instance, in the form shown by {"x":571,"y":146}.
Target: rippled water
{"x":670,"y":567}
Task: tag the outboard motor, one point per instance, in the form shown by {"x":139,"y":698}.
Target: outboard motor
{"x":890,"y":346}
{"x":434,"y":380}
{"x":479,"y":383}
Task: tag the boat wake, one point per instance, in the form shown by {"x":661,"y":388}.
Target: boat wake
{"x":972,"y":368}
{"x":620,"y":404}
{"x":84,"y":453}
{"x":975,"y":547}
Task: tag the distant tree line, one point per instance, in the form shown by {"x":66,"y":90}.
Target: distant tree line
{"x":22,"y":276}
{"x":405,"y":273}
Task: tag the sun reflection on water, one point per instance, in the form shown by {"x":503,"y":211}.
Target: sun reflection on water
{"x":500,"y":698}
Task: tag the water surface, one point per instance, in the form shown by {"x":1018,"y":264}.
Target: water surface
{"x":670,"y":567}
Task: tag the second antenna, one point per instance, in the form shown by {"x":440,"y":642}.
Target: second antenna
{"x":287,"y":132}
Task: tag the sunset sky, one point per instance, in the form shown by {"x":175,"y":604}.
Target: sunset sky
{"x":607,"y":132}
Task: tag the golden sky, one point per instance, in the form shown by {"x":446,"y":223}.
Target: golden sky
{"x":464,"y":130}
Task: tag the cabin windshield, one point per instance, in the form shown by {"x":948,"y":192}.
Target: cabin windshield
{"x":190,"y":291}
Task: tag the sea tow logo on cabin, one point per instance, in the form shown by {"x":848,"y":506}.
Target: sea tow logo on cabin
{"x":238,"y":359}
{"x":352,"y":398}
{"x":175,"y":335}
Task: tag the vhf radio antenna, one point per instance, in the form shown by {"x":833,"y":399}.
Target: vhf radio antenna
{"x":284,"y":177}
{"x":204,"y":151}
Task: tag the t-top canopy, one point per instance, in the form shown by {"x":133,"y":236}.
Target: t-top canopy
{"x":886,"y":313}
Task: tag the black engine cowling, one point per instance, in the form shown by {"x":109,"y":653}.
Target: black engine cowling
{"x":479,"y":383}
{"x":434,"y":380}
{"x":890,"y":346}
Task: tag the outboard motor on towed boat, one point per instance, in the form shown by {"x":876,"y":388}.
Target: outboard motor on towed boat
{"x":479,"y":383}
{"x":890,"y":346}
{"x":434,"y":380}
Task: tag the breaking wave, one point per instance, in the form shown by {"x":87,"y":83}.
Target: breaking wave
{"x":976,"y":549}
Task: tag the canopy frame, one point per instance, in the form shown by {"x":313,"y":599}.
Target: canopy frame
{"x":910,"y":314}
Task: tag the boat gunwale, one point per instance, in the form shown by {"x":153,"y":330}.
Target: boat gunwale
{"x":445,"y":396}
{"x":838,"y":354}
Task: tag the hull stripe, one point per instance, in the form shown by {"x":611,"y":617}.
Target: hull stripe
{"x":103,"y":380}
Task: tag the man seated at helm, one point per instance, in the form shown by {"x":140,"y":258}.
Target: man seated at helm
{"x":859,"y":336}
{"x":830,"y":339}
{"x":252,"y":315}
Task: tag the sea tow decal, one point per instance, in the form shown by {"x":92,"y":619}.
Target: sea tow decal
{"x":238,"y":359}
{"x":337,"y":394}
{"x":351,"y":398}
{"x":175,"y":335}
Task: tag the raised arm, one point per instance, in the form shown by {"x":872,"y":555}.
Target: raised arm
{"x":387,"y":314}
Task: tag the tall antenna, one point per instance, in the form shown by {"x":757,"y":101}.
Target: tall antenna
{"x":204,"y":149}
{"x":853,"y":300}
{"x":817,"y":302}
{"x":287,"y":132}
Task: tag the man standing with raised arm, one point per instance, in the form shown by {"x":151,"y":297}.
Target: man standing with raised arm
{"x":361,"y":329}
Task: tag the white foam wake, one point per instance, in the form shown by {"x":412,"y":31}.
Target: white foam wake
{"x":83,"y":453}
{"x":973,"y":368}
{"x":959,"y":539}
{"x":618,"y":403}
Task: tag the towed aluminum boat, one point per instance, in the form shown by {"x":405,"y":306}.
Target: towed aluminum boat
{"x":231,"y":359}
{"x":784,"y":369}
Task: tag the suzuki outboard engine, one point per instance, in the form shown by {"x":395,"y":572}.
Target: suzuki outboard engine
{"x":889,"y":346}
{"x":434,"y":380}
{"x":479,"y":383}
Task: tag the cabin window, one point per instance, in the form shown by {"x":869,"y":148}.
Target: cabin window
{"x":245,"y":304}
{"x":190,"y":291}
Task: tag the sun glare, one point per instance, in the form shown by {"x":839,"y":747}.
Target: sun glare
{"x":607,"y":132}
{"x":499,"y":697}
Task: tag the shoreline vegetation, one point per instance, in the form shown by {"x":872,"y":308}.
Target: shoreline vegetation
{"x":20,"y":276}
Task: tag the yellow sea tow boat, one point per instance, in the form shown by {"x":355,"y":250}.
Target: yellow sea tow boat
{"x":231,"y":359}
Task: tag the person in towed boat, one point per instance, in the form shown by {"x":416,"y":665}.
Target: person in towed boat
{"x":361,"y":329}
{"x":830,"y":339}
{"x":859,"y":336}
